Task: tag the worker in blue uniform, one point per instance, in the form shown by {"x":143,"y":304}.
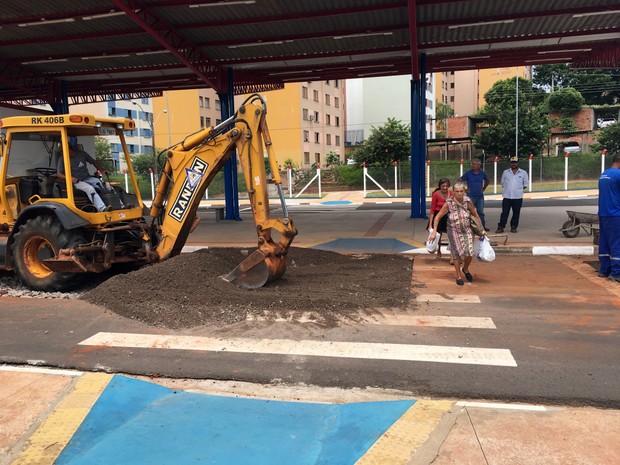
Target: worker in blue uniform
{"x":609,"y":221}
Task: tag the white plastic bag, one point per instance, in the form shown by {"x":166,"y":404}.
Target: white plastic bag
{"x":486,"y":253}
{"x":432,"y":246}
{"x":476,"y":246}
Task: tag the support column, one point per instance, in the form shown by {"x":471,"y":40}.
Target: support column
{"x":231,"y":187}
{"x":60,"y":104}
{"x":418,"y":141}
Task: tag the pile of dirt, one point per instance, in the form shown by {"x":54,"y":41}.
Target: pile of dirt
{"x":188,"y":291}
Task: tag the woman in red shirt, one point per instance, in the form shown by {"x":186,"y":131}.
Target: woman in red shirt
{"x":440,"y":195}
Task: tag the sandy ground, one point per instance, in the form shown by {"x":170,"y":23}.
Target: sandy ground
{"x":188,"y":291}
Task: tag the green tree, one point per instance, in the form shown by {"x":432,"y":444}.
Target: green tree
{"x":386,"y":144}
{"x":598,"y":86}
{"x":499,"y":114}
{"x":443,"y":111}
{"x":609,"y":138}
{"x":141,"y":163}
{"x":332,"y":159}
{"x":103,"y":153}
{"x":565,"y":101}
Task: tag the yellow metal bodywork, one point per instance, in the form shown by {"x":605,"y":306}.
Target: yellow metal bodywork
{"x":63,"y":125}
{"x":190,"y":168}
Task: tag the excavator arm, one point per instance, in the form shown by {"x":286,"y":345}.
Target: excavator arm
{"x":189,"y":169}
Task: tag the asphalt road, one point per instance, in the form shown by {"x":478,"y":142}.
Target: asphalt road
{"x":554,"y":321}
{"x":552,"y":324}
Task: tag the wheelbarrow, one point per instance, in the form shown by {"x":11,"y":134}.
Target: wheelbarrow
{"x":588,"y":222}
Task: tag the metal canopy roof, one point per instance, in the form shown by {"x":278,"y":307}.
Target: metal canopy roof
{"x":96,"y":50}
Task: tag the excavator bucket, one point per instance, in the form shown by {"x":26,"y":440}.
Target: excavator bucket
{"x":256,"y":271}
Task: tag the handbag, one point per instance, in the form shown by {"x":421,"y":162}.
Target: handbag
{"x":432,"y":246}
{"x":476,"y":225}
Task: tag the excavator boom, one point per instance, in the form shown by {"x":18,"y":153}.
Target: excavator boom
{"x":189,"y":169}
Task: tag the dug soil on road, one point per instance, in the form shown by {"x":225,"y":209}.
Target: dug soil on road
{"x":188,"y":290}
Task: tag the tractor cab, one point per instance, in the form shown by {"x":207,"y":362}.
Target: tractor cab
{"x":35,"y":151}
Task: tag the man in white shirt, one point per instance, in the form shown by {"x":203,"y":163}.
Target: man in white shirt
{"x":514,"y":182}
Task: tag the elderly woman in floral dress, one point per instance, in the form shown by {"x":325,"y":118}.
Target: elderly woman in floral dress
{"x":459,"y":210}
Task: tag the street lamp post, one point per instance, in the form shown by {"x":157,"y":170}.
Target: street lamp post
{"x":150,"y":121}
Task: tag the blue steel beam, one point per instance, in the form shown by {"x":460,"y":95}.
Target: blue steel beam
{"x":231,"y":187}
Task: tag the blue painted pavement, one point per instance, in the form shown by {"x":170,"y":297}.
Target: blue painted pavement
{"x":366,"y":244}
{"x":136,"y":422}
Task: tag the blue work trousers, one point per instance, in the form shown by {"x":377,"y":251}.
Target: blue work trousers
{"x":609,"y":245}
{"x":478,"y":201}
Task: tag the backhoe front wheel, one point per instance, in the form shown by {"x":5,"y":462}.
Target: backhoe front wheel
{"x":38,"y":239}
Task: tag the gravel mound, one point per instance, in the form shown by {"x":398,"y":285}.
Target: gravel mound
{"x":187,"y":290}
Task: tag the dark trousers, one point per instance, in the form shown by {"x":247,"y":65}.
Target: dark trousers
{"x":609,"y":245}
{"x":507,"y":204}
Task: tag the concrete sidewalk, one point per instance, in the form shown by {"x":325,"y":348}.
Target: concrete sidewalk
{"x":75,"y":418}
{"x":348,"y":215}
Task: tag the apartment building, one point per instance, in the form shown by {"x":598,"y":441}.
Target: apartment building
{"x":307,"y":121}
{"x":464,"y":90}
{"x":140,"y":140}
{"x":371,"y":101}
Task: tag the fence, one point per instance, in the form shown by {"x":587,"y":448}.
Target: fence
{"x":554,"y":173}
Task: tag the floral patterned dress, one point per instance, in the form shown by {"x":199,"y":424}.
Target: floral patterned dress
{"x":459,"y":229}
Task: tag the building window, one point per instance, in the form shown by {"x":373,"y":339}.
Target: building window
{"x":317,"y":138}
{"x":305,"y":114}
{"x":307,"y":158}
{"x":338,"y":141}
{"x":327,"y":82}
{"x":336,"y":102}
{"x":304,"y":92}
{"x":208,"y":122}
{"x":201,"y":102}
{"x":218,"y":106}
{"x":328,"y":120}
{"x":315,"y":94}
{"x":316,"y":116}
{"x":202,"y":120}
{"x":306,"y":136}
{"x":317,"y":158}
{"x":338,"y":121}
{"x":218,"y":122}
{"x":207,"y":102}
{"x":452,"y":98}
{"x":336,"y":83}
{"x":452,"y":85}
{"x":327,"y":99}
{"x":328,"y":139}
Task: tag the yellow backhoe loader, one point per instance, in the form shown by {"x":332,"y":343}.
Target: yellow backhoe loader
{"x":51,"y":233}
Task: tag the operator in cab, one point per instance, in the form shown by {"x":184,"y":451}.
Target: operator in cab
{"x":81,"y":177}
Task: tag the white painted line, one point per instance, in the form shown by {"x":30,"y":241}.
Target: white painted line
{"x":536,"y":198}
{"x":383,"y":202}
{"x":46,"y":371}
{"x":533,"y":408}
{"x":562,"y":250}
{"x":577,"y":196}
{"x":436,"y":321}
{"x":461,"y":299}
{"x":407,"y":201}
{"x":363,"y":350}
{"x":193,"y":248}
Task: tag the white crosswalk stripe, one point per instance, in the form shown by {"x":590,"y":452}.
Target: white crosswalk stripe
{"x":445,"y":298}
{"x":375,"y":351}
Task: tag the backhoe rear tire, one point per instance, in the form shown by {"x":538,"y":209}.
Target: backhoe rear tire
{"x":38,"y":239}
